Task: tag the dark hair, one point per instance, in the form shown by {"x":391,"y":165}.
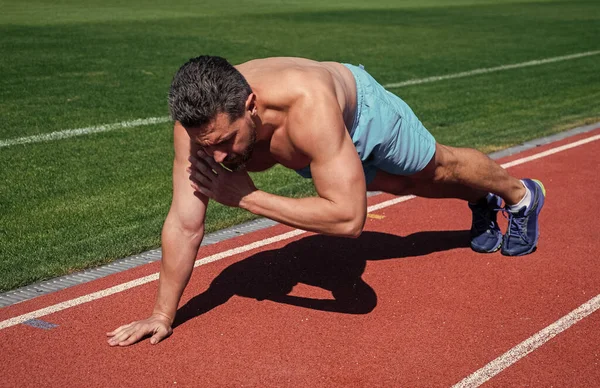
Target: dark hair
{"x":205,"y":86}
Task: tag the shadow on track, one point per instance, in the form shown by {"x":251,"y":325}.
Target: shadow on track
{"x":332,"y":263}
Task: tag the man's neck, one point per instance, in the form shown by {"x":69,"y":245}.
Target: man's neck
{"x":267,"y":121}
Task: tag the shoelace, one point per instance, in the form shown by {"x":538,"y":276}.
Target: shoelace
{"x":516,"y":225}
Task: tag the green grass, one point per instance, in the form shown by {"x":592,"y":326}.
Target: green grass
{"x":73,"y":203}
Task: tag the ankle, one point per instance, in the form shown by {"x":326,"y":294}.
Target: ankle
{"x":525,"y":201}
{"x":517,"y":194}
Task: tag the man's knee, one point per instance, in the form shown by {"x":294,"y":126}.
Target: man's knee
{"x":443,"y":166}
{"x":440,"y":168}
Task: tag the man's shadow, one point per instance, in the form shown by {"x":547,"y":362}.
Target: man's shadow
{"x":332,"y":263}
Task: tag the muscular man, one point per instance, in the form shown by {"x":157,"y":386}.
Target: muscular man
{"x":329,"y":121}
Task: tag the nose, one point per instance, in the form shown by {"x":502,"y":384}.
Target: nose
{"x":219,"y":156}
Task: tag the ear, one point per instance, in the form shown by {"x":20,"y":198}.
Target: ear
{"x":251,"y":104}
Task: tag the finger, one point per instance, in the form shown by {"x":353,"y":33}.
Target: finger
{"x":198,"y":186}
{"x":134,"y":337}
{"x":118,"y":329}
{"x":203,"y":168}
{"x":211,"y":162}
{"x":203,"y":190}
{"x":201,"y":179}
{"x":160,"y":334}
{"x":116,"y":339}
{"x":195,"y":177}
{"x":120,"y":337}
{"x":199,"y":163}
{"x":203,"y":154}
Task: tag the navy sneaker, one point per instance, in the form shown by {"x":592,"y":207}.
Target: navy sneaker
{"x":523,"y":228}
{"x":486,"y":236}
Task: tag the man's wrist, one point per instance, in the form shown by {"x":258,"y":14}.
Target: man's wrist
{"x":249,"y":200}
{"x":163,"y":316}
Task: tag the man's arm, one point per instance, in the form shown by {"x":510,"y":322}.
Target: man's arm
{"x":182,"y":234}
{"x":315,"y":128}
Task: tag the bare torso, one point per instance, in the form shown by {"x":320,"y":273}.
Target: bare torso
{"x":274,"y":81}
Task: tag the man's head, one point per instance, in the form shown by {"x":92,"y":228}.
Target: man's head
{"x":215,"y":104}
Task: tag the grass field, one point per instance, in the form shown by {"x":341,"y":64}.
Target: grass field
{"x":83,"y":201}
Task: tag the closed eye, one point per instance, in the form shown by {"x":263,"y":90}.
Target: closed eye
{"x":228,"y":139}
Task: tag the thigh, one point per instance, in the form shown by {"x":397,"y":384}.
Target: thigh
{"x":390,"y":183}
{"x":403,"y":184}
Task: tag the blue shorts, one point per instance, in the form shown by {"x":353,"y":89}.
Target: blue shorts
{"x":386,"y":133}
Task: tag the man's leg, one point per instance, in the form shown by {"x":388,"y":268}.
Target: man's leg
{"x":461,"y":173}
{"x":470,"y":175}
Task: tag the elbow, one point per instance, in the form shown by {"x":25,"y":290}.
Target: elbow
{"x":192,"y":233}
{"x":354,"y":232}
{"x":176,"y":228}
{"x":352,"y":228}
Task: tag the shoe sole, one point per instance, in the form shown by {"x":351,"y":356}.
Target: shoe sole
{"x":541,"y":186}
{"x":537,"y":213}
{"x":485,"y":251}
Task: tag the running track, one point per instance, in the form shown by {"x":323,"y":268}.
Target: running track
{"x":413,"y":306}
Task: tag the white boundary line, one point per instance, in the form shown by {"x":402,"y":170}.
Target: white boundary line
{"x":219,"y":256}
{"x":491,"y":69}
{"x":141,"y":281}
{"x":159,"y":120}
{"x":529,"y":345}
{"x":82,"y":131}
{"x":550,"y":151}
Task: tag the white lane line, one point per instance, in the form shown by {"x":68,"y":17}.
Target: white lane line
{"x":82,"y":131}
{"x":550,"y":151}
{"x":247,"y":247}
{"x":391,"y":202}
{"x":77,"y":301}
{"x":529,"y":345}
{"x":141,"y":281}
{"x":138,"y":282}
{"x":490,"y":70}
{"x":157,"y":120}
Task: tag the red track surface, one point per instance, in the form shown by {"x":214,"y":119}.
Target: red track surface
{"x":414,"y":305}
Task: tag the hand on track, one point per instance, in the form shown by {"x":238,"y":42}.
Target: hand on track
{"x":158,"y":326}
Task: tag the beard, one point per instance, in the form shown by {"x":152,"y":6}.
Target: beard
{"x":237,"y":162}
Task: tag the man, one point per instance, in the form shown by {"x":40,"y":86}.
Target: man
{"x":326,"y":120}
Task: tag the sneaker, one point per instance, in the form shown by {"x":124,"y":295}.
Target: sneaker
{"x":523,"y":228}
{"x":486,"y":236}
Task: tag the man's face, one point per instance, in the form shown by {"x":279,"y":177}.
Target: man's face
{"x":229,"y":143}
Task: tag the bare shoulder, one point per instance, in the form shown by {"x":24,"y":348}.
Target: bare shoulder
{"x":315,"y":97}
{"x":293,"y":76}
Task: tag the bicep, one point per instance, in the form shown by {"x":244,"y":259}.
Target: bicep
{"x":335,"y":166}
{"x":337,"y":171}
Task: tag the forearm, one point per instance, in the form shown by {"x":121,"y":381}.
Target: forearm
{"x":179,"y":250}
{"x":314,"y":214}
